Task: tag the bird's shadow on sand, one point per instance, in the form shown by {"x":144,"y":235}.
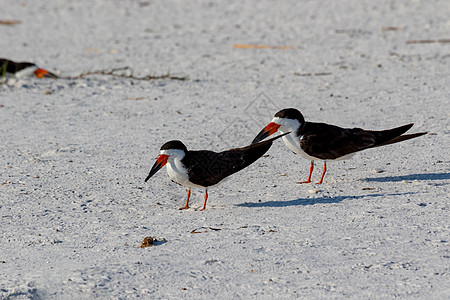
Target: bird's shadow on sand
{"x":312,"y":201}
{"x":424,"y":176}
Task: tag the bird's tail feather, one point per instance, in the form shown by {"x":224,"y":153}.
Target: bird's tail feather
{"x":393,"y":135}
{"x":401,"y":138}
{"x":269,"y":141}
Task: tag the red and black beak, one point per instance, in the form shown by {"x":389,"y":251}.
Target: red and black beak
{"x":160,"y":162}
{"x":41,"y":73}
{"x":270,"y":129}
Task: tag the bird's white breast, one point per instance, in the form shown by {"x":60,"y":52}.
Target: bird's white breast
{"x":292,"y":141}
{"x":178,"y":173}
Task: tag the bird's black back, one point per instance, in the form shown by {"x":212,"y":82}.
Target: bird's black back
{"x":208,"y":168}
{"x":327,"y":141}
{"x":14,"y":67}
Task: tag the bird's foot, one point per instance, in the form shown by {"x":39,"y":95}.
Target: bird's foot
{"x":307,"y":181}
{"x":184,"y":207}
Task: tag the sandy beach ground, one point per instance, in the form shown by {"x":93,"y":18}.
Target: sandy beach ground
{"x":75,"y":151}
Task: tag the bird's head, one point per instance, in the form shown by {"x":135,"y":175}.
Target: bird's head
{"x":288,"y":119}
{"x":169,"y":151}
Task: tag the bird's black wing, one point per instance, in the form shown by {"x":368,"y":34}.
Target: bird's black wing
{"x":205,"y":167}
{"x":13,"y":67}
{"x":208,"y":168}
{"x":326,"y":141}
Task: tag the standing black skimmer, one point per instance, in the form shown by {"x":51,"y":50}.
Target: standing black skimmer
{"x":320,"y":141}
{"x":203,"y":168}
{"x":10,"y":68}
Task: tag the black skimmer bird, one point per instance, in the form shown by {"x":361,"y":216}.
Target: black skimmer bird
{"x":10,"y":68}
{"x":320,"y":141}
{"x":204,"y":168}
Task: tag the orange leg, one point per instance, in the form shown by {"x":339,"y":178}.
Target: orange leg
{"x":310,"y":173}
{"x":206,"y":198}
{"x":323,"y":172}
{"x":187,"y":201}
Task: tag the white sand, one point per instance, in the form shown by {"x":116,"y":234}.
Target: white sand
{"x":74,"y":206}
